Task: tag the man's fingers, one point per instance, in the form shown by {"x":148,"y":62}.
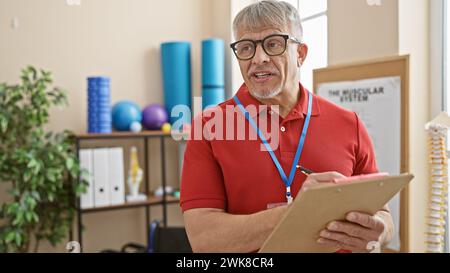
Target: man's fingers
{"x":338,"y":245}
{"x":351,"y":229}
{"x":321,"y":178}
{"x":365,"y":220}
{"x":325,"y":177}
{"x":344,"y":239}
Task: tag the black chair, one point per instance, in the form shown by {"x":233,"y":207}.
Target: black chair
{"x":168,"y":239}
{"x":161,"y":240}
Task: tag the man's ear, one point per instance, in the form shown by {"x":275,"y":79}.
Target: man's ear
{"x":302,"y":52}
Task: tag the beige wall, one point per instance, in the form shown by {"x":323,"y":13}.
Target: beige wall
{"x":357,"y":31}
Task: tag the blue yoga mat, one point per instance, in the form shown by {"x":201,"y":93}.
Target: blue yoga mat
{"x":213,"y":72}
{"x":176,"y":70}
{"x":213,"y":63}
{"x":212,"y":96}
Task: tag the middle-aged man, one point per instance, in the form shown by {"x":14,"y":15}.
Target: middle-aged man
{"x":232,"y":189}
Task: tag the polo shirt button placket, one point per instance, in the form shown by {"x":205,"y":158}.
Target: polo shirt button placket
{"x":283,"y":129}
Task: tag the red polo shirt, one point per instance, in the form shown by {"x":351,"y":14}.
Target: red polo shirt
{"x":236,"y":176}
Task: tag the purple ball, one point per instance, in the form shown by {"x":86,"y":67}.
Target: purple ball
{"x":154,"y":116}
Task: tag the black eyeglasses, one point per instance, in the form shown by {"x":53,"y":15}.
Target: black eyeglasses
{"x":273,"y":45}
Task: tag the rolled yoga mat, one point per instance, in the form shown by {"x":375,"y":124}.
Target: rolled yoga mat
{"x":213,"y":72}
{"x":176,"y":70}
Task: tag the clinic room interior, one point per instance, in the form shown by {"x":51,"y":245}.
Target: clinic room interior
{"x":102,"y":77}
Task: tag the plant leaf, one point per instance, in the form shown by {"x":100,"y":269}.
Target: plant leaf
{"x":10,"y":236}
{"x":69,"y":163}
{"x":18,"y":239}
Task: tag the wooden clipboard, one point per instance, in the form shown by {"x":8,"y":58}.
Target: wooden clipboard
{"x":317,"y":206}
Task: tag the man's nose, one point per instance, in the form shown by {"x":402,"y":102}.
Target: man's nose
{"x":260,"y":55}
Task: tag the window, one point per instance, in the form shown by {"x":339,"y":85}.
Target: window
{"x":315,"y":35}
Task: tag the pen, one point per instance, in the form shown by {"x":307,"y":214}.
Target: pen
{"x":304,"y":170}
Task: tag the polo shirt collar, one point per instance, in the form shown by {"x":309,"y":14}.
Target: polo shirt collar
{"x":299,"y":111}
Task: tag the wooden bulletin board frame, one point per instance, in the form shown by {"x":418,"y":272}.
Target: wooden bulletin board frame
{"x":387,"y":67}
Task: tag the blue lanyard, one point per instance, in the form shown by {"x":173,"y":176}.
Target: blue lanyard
{"x":287,"y":182}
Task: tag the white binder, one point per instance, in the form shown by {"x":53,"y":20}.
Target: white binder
{"x":116,"y":176}
{"x":87,"y":198}
{"x":101,"y":183}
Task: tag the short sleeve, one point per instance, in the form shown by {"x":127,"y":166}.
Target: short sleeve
{"x":202,"y":184}
{"x":365,"y":154}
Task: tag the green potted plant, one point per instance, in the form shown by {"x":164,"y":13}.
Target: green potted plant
{"x":40,"y":168}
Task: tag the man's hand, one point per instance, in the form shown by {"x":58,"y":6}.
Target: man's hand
{"x":321,"y":178}
{"x":360,"y":233}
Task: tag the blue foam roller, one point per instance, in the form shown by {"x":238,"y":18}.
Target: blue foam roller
{"x":99,"y":121}
{"x":102,"y":129}
{"x":100,"y":115}
{"x":212,"y":96}
{"x":94,"y":127}
{"x":99,"y":102}
{"x":104,"y":91}
{"x":100,"y":79}
{"x":98,"y":86}
{"x":99,"y":112}
{"x":100,"y":125}
{"x":99,"y":107}
{"x":95,"y":107}
{"x":213,"y":63}
{"x":176,"y":70}
{"x":98,"y":93}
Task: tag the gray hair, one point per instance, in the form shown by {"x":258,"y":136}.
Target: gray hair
{"x":269,"y":13}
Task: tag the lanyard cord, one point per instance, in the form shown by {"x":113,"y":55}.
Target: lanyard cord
{"x":301,"y":143}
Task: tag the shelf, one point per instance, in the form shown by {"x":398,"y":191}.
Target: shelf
{"x":118,"y":135}
{"x":145,"y":137}
{"x":151,"y":201}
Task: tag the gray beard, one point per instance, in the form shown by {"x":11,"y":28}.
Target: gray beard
{"x":269,"y":95}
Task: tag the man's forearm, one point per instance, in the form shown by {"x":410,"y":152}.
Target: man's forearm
{"x":218,"y":231}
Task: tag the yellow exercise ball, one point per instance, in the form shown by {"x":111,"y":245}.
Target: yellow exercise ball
{"x":166,"y":128}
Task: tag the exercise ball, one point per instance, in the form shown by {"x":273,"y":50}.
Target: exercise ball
{"x":154,"y":116}
{"x":124,"y":113}
{"x":136,"y":127}
{"x":166,"y":128}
